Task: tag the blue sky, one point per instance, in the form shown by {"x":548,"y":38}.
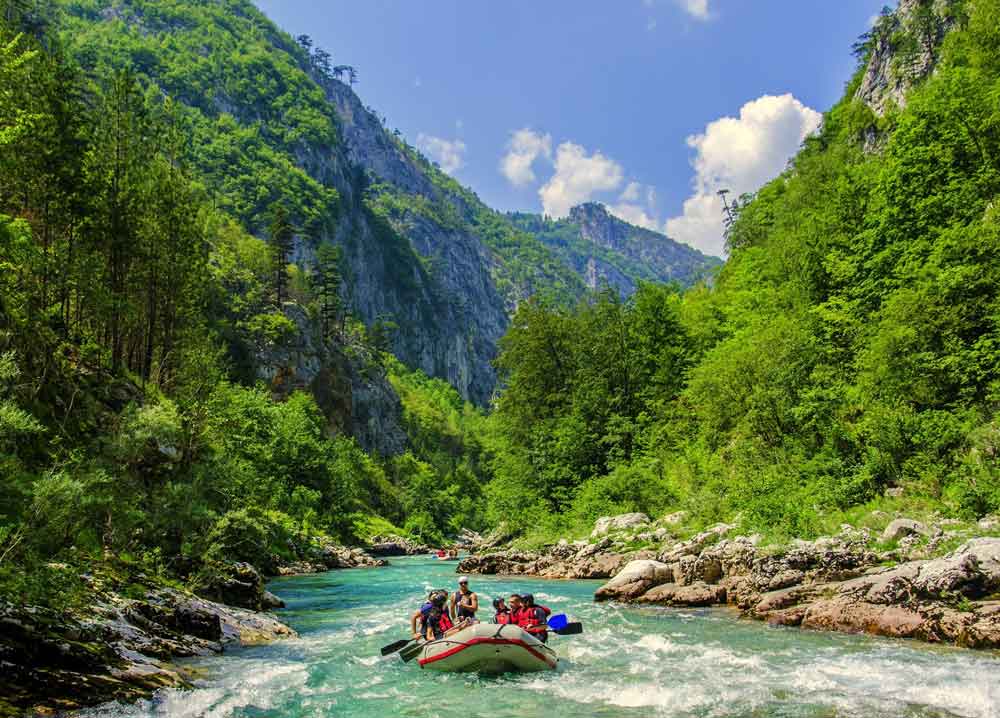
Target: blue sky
{"x":647,"y":105}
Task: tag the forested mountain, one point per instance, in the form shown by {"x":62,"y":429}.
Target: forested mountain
{"x":188,"y":255}
{"x":606,"y":250}
{"x":222,"y":276}
{"x":846,"y":357}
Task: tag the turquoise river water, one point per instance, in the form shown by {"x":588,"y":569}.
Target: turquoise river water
{"x":630,"y":662}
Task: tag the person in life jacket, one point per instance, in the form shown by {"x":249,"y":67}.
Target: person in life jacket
{"x":501,"y":614}
{"x":516,"y":609}
{"x":418,"y":621}
{"x":535,"y":618}
{"x":420,"y":615}
{"x":438,"y":623}
{"x":464,"y":603}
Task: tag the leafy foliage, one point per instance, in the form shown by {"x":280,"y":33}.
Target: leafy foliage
{"x":848,"y":346}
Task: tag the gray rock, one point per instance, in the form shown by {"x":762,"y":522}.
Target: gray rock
{"x":898,"y":528}
{"x":635,"y":579}
{"x":606,"y":524}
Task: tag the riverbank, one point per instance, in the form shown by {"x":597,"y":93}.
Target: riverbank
{"x":936,"y":582}
{"x":122,"y":643}
{"x":631,"y":661}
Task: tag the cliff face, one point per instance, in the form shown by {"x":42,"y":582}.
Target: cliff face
{"x":903,"y":50}
{"x":605,"y":250}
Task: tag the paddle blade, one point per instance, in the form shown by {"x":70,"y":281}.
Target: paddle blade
{"x":558,"y":621}
{"x":570,"y":629}
{"x":393,"y":647}
{"x":411,"y":652}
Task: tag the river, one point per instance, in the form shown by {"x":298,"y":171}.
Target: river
{"x":630,"y":662}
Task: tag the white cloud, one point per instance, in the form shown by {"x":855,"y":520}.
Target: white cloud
{"x":739,"y":154}
{"x":578,"y":177}
{"x":697,"y":9}
{"x":631,"y":192}
{"x":637,"y":205}
{"x":449,"y":154}
{"x":524,"y":148}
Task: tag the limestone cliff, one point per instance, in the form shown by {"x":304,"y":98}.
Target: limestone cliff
{"x":605,"y":250}
{"x":903,"y":48}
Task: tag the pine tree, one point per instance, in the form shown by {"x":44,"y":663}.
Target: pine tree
{"x":282,"y":240}
{"x":329,"y":280}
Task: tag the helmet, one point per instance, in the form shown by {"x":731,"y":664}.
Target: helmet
{"x":439,"y":600}
{"x":528,"y":598}
{"x":496,"y":603}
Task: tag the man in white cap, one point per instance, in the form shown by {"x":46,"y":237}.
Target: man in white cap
{"x":464,"y":603}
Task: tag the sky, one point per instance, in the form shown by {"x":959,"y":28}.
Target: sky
{"x":649,"y":106}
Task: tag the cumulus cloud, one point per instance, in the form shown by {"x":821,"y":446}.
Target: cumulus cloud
{"x":739,"y":154}
{"x":449,"y":154}
{"x":578,"y":177}
{"x":637,"y":205}
{"x":524,"y":148}
{"x":697,"y":9}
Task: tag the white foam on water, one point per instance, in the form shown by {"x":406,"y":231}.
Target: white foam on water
{"x":658,"y":643}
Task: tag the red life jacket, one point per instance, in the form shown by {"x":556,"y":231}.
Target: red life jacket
{"x":536,"y":616}
{"x":502,"y":617}
{"x":439,"y":624}
{"x":521,"y":616}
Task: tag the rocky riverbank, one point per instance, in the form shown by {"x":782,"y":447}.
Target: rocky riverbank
{"x":118,"y":649}
{"x":900,"y":582}
{"x":395,"y":546}
{"x":123,"y":647}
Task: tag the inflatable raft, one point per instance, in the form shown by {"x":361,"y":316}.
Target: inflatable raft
{"x":488,"y":648}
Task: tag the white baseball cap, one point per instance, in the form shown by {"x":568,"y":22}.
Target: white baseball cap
{"x":463,"y":579}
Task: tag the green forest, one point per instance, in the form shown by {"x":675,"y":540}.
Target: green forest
{"x":134,"y":439}
{"x":849,"y":345}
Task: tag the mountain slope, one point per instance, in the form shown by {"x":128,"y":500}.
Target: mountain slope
{"x":845,"y":364}
{"x":270,"y":125}
{"x":602,"y":248}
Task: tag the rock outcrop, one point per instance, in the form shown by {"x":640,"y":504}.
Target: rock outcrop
{"x":395,"y":546}
{"x":833,"y":583}
{"x":904,"y":50}
{"x":606,"y":250}
{"x":332,"y":556}
{"x":121,"y":649}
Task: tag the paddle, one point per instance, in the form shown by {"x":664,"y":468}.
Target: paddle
{"x":570,"y":629}
{"x":558,"y":621}
{"x":411,"y":652}
{"x":559,"y":624}
{"x":395,"y":646}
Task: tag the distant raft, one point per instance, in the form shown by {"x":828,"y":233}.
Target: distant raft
{"x":488,"y":648}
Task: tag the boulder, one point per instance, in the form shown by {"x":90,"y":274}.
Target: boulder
{"x":898,"y":528}
{"x":270,"y":601}
{"x":606,"y":524}
{"x":502,"y":563}
{"x":635,"y":579}
{"x":235,"y":584}
{"x":396,"y":546}
{"x":695,"y":594}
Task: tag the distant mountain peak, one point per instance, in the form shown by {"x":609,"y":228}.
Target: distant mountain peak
{"x":606,"y":250}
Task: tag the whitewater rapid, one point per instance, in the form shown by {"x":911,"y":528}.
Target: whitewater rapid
{"x":630,"y":662}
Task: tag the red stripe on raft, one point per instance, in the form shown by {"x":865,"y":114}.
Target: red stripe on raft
{"x":508,"y":641}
